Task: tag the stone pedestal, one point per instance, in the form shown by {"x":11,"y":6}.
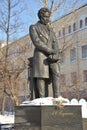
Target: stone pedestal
{"x":48,"y":118}
{"x":84,"y":123}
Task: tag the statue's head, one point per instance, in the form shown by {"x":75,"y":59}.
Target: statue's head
{"x":44,"y":15}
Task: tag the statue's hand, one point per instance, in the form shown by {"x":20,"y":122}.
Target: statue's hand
{"x":53,"y":58}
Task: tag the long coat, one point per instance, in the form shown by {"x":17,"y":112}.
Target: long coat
{"x":44,"y":41}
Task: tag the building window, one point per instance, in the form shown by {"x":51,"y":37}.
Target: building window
{"x":62,"y":80}
{"x":73,"y":78}
{"x":86,"y":21}
{"x":62,"y":58}
{"x":69,"y":30}
{"x":85,"y":75}
{"x":74,"y":27}
{"x":84,"y":51}
{"x":63,"y":31}
{"x":81,"y":23}
{"x":59,"y":33}
{"x":73,"y":54}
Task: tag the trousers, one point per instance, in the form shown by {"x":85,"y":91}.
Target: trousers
{"x":42,"y":83}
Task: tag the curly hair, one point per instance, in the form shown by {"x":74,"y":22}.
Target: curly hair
{"x":42,"y":11}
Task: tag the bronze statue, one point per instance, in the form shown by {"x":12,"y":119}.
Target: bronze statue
{"x":45,"y":60}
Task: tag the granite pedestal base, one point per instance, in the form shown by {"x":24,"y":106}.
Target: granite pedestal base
{"x":48,"y":118}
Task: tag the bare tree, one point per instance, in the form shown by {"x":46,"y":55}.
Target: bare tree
{"x":9,"y":25}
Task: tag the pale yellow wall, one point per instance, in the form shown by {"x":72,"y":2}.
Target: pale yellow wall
{"x":74,"y":39}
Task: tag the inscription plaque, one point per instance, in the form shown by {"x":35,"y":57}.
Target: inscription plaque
{"x":48,"y":118}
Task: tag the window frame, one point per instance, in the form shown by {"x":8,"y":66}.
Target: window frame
{"x":69,"y":29}
{"x":73,"y":54}
{"x":85,"y":76}
{"x":74,"y":26}
{"x":84,"y":51}
{"x":81,"y":23}
{"x":86,"y":21}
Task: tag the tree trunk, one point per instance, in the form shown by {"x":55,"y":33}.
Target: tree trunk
{"x":3,"y":104}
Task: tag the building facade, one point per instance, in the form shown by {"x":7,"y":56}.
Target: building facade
{"x":19,"y":52}
{"x":72,"y":41}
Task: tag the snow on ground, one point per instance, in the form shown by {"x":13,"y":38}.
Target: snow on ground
{"x":6,"y":119}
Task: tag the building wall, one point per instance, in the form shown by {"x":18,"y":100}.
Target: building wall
{"x":25,"y":51}
{"x":70,"y":40}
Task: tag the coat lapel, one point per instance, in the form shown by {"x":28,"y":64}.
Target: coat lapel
{"x":42,"y":30}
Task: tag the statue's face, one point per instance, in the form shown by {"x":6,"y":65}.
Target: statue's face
{"x":45,"y":19}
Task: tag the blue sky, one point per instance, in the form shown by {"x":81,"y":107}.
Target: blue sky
{"x":65,"y":8}
{"x":29,"y":16}
{"x":68,"y":7}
